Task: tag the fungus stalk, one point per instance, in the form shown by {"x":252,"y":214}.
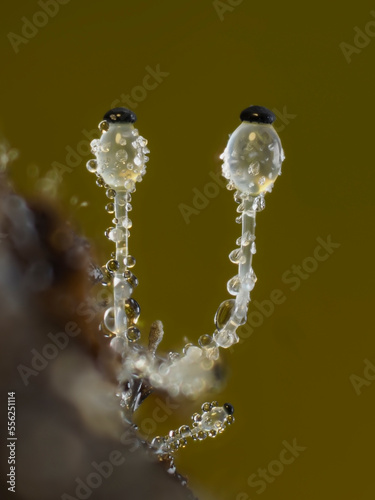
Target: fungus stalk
{"x":251,"y":163}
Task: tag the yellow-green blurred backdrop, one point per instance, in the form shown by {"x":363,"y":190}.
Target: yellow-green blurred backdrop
{"x":294,"y":378}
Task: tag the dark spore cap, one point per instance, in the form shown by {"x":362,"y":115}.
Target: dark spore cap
{"x":228,"y":408}
{"x":257,"y":114}
{"x":120,"y":115}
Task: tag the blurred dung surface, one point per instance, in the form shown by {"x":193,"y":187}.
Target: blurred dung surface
{"x":71,"y":441}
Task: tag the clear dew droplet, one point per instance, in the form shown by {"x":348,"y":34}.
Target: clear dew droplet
{"x":133,"y":334}
{"x":109,"y":319}
{"x":234,"y":285}
{"x":247,"y":238}
{"x":236,"y":256}
{"x":254,"y":168}
{"x":250,"y":280}
{"x":202,"y":435}
{"x":117,"y":234}
{"x":131,"y":278}
{"x":107,"y":276}
{"x":240,"y":208}
{"x":122,"y":155}
{"x":107,"y":231}
{"x":206,"y":406}
{"x":157,"y":442}
{"x":253,"y":248}
{"x":224,"y":313}
{"x":138,"y":160}
{"x":129,"y":261}
{"x":103,"y":126}
{"x":237,"y":197}
{"x":113,"y":265}
{"x":259,"y":203}
{"x":95,"y":145}
{"x":142,"y":141}
{"x":205,"y":340}
{"x":214,"y":419}
{"x":225,"y":339}
{"x":132,"y":310}
{"x":125,"y":222}
{"x":92,"y":166}
{"x":185,"y":431}
{"x":110,"y":193}
{"x":110,"y":208}
{"x":100,"y":181}
{"x":210,"y":350}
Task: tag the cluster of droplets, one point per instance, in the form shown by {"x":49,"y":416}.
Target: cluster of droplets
{"x":253,"y":156}
{"x":121,"y":156}
{"x":211,"y":422}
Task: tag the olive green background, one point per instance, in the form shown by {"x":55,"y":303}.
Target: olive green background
{"x":291,"y":378}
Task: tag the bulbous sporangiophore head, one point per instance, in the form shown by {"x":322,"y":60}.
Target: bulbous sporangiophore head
{"x":120,"y":151}
{"x":253,"y":156}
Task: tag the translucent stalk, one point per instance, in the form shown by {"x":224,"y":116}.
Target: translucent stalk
{"x":248,"y":235}
{"x":119,"y":282}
